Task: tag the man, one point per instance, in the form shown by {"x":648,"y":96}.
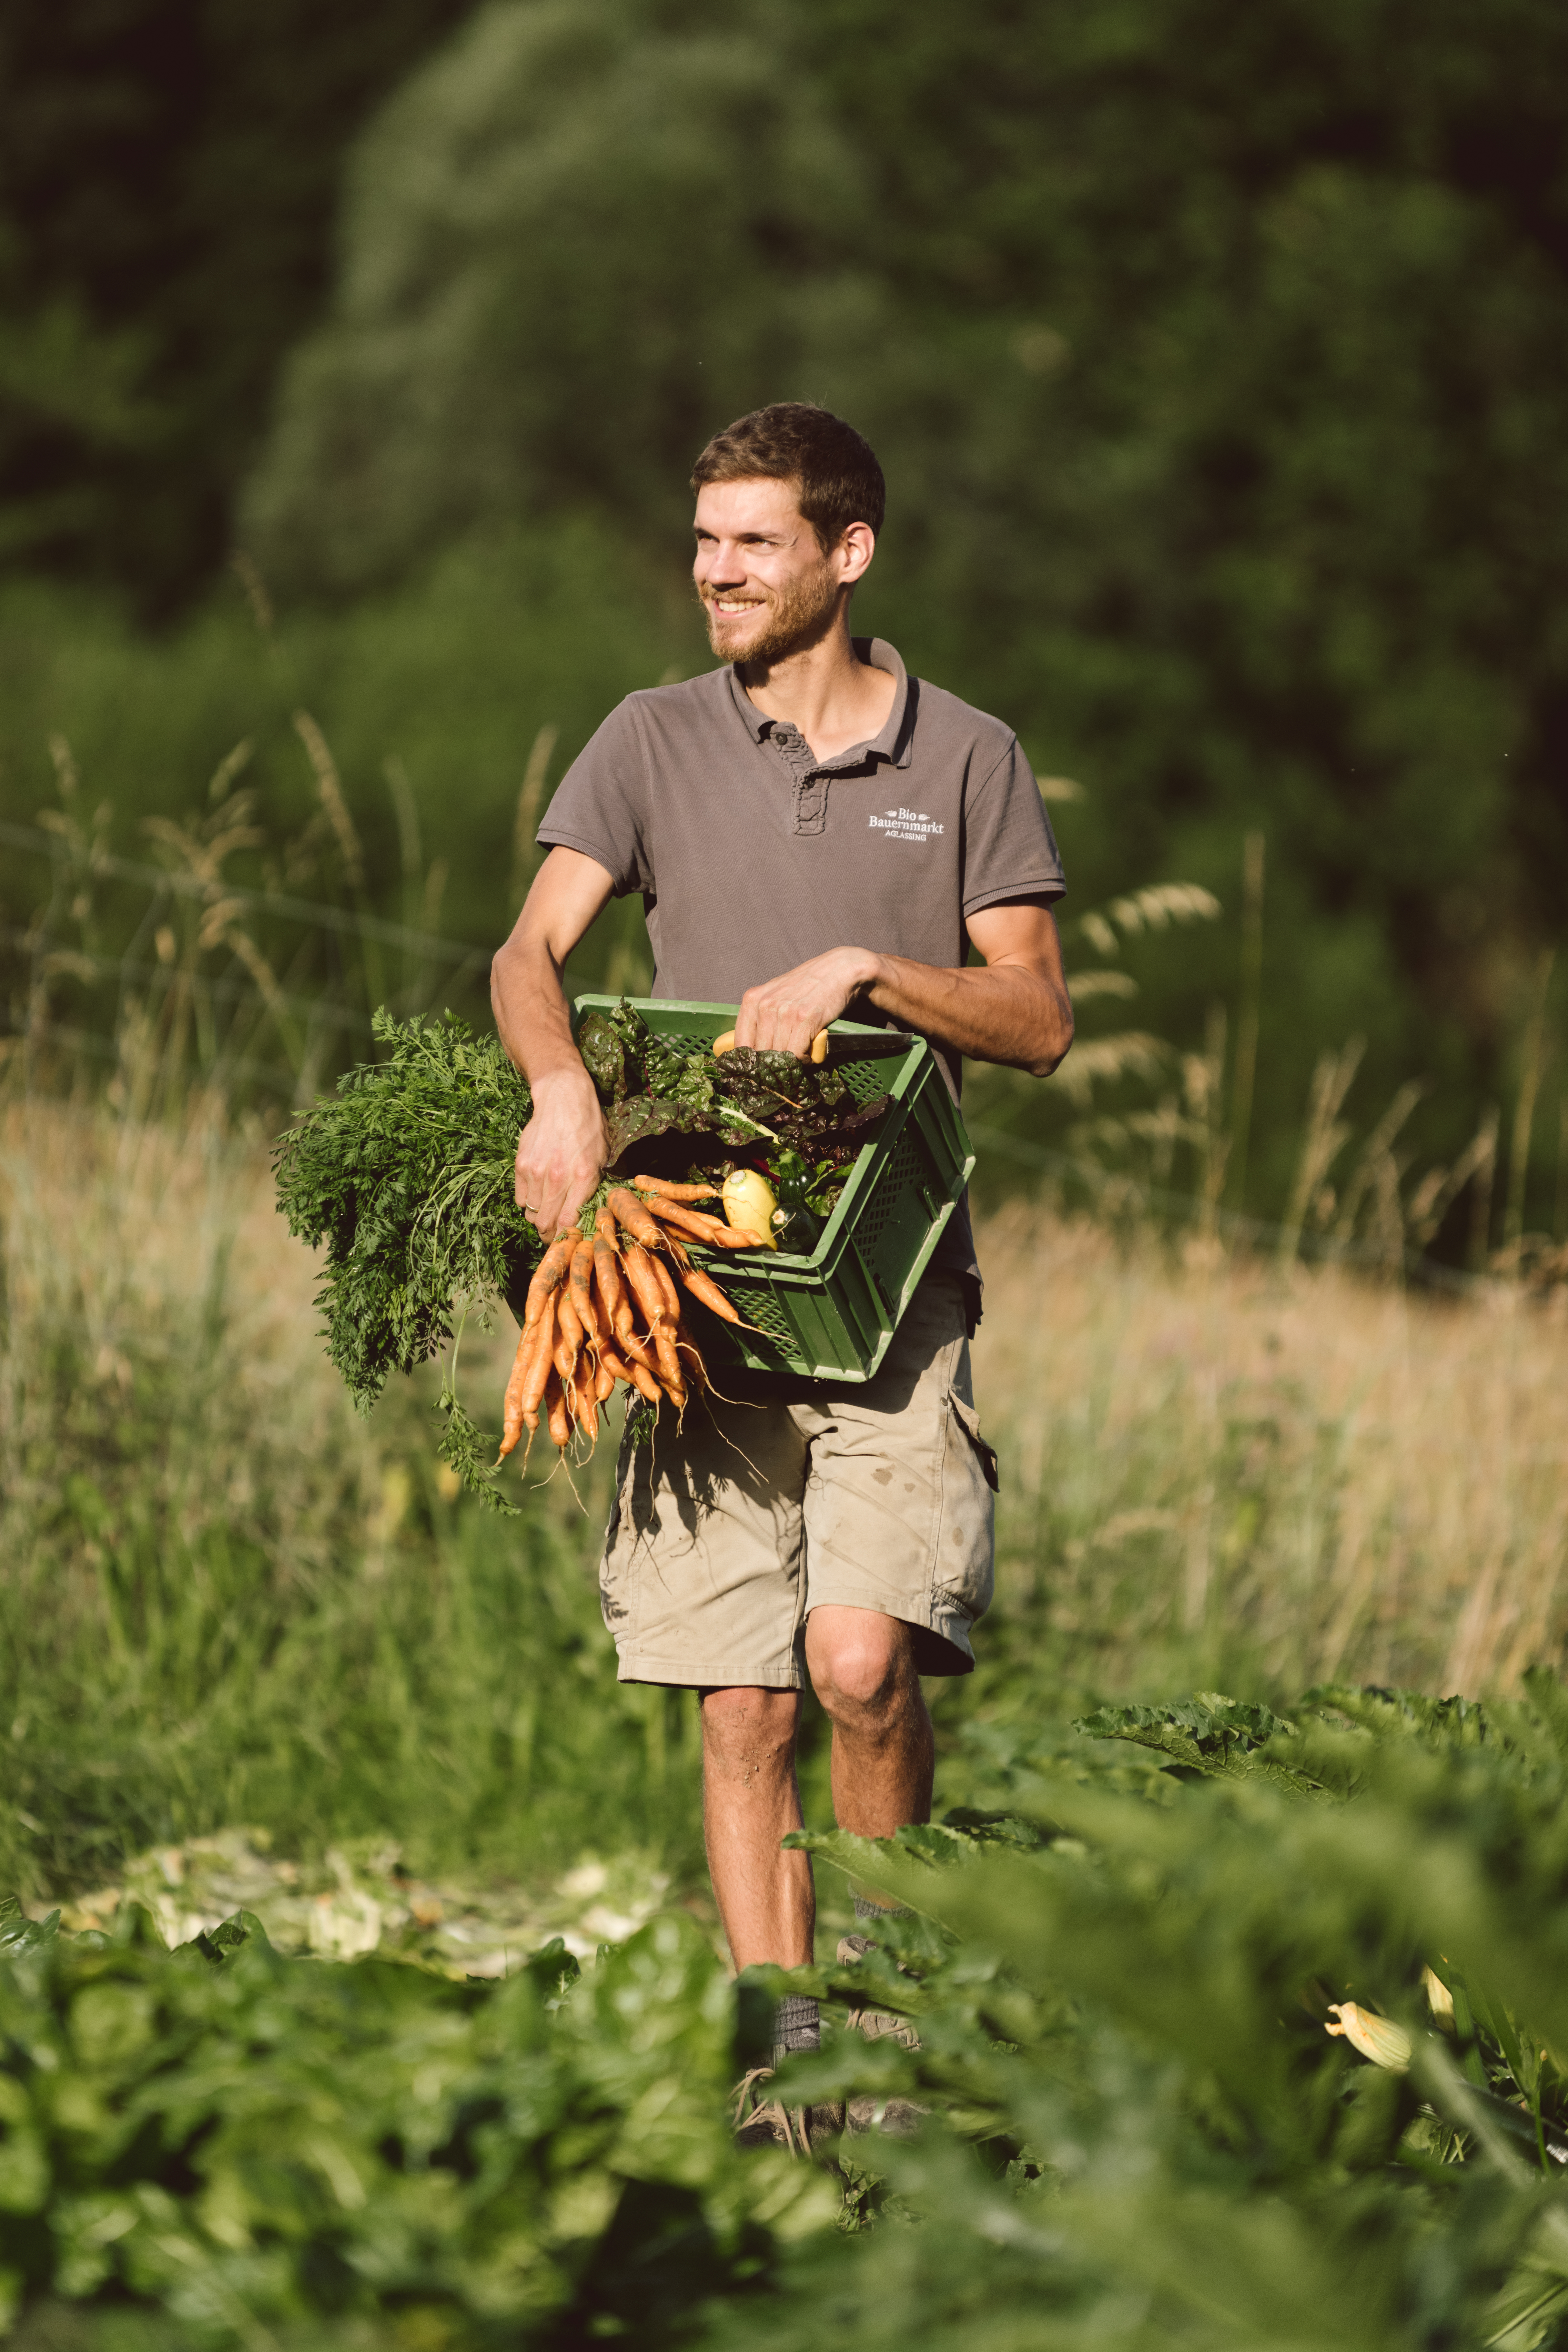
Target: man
{"x":814,"y":834}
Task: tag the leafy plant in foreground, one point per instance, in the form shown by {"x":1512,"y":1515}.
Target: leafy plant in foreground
{"x":1143,"y":2132}
{"x":250,"y":2145}
{"x":1126,"y":1987}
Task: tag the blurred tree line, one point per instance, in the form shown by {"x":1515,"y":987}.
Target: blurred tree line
{"x":1216,"y":362}
{"x":168,"y":177}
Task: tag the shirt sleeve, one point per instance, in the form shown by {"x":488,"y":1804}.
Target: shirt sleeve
{"x":601,"y":804}
{"x":1009,"y":849}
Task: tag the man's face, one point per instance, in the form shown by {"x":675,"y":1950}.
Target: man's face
{"x":766,"y":587}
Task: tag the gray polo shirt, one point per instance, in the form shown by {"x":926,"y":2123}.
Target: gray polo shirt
{"x":752,"y":855}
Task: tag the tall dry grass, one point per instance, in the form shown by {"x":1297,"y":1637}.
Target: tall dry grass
{"x":224,"y":1598}
{"x":1285,"y":1474}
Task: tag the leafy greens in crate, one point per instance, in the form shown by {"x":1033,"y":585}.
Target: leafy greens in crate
{"x":797,"y":1120}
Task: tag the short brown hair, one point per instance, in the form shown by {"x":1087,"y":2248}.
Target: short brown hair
{"x":839,"y":480}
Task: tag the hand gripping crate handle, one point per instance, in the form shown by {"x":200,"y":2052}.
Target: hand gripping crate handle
{"x":838,"y":1310}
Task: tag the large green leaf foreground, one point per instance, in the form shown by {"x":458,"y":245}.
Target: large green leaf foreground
{"x":1123,"y":1960}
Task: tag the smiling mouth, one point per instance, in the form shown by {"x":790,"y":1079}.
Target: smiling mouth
{"x":733,"y":605}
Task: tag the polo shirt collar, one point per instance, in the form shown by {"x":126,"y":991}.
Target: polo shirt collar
{"x":892,"y":745}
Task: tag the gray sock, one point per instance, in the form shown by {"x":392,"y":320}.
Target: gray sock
{"x":866,"y":1909}
{"x":797,"y":2026}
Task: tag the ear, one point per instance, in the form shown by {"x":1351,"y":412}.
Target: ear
{"x":853,"y":552}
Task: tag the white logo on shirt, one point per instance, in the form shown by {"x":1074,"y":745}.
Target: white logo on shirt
{"x":905,"y":824}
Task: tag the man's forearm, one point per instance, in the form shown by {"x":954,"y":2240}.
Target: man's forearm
{"x":533,"y":1020}
{"x":531,"y":1013}
{"x":1015,"y":1008}
{"x":562,"y":1150}
{"x":995,"y":1013}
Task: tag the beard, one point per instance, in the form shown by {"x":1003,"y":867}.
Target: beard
{"x":798,"y":616}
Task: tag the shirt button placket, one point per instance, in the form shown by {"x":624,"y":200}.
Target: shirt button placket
{"x":811,"y":782}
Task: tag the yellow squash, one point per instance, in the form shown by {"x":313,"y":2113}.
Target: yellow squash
{"x":750,"y":1202}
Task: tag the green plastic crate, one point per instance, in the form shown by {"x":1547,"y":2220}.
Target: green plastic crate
{"x":831,"y":1316}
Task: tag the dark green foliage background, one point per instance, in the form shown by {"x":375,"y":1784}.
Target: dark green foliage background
{"x":1216,"y":366}
{"x":168,"y":176}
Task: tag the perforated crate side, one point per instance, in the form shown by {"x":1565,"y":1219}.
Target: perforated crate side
{"x":764,"y":1305}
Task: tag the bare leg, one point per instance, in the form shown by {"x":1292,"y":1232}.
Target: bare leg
{"x":862,"y":1668}
{"x":749,"y":1800}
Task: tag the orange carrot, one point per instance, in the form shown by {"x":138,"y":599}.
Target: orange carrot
{"x":677,"y":1191}
{"x":668,"y":1290}
{"x":582,"y":1399}
{"x":642,"y":1280}
{"x":556,"y":1414}
{"x":685,"y":1220}
{"x":540,"y":1365}
{"x":634,"y":1215}
{"x":550,"y":1270}
{"x":606,"y":1376}
{"x":701,"y":1228}
{"x":512,"y":1410}
{"x":703,"y":1287}
{"x":607,"y":1282}
{"x":626,"y":1320}
{"x":669,"y":1371}
{"x":582,"y":1291}
{"x":569,"y":1335}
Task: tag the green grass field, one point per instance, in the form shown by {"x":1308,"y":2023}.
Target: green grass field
{"x":260,"y":1657}
{"x":230,"y":1601}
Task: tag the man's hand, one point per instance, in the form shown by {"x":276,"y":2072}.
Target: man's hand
{"x":784,"y":1015}
{"x":1015,"y":1009}
{"x":562,"y":1151}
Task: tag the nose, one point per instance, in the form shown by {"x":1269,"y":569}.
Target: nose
{"x":723,"y":564}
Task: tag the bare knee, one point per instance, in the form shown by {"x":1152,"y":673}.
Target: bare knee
{"x":744,"y":1729}
{"x":861,"y":1665}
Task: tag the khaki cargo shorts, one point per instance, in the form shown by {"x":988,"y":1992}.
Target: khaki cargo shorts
{"x":876,"y":1495}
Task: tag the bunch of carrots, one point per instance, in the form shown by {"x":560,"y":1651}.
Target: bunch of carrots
{"x":605,"y":1306}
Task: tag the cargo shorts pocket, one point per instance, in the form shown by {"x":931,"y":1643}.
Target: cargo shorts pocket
{"x":965,"y":1556}
{"x":968,"y":1420}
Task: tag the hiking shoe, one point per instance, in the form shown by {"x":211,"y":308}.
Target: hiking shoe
{"x":761,"y":2122}
{"x":876,"y":2024}
{"x":900,"y":2118}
